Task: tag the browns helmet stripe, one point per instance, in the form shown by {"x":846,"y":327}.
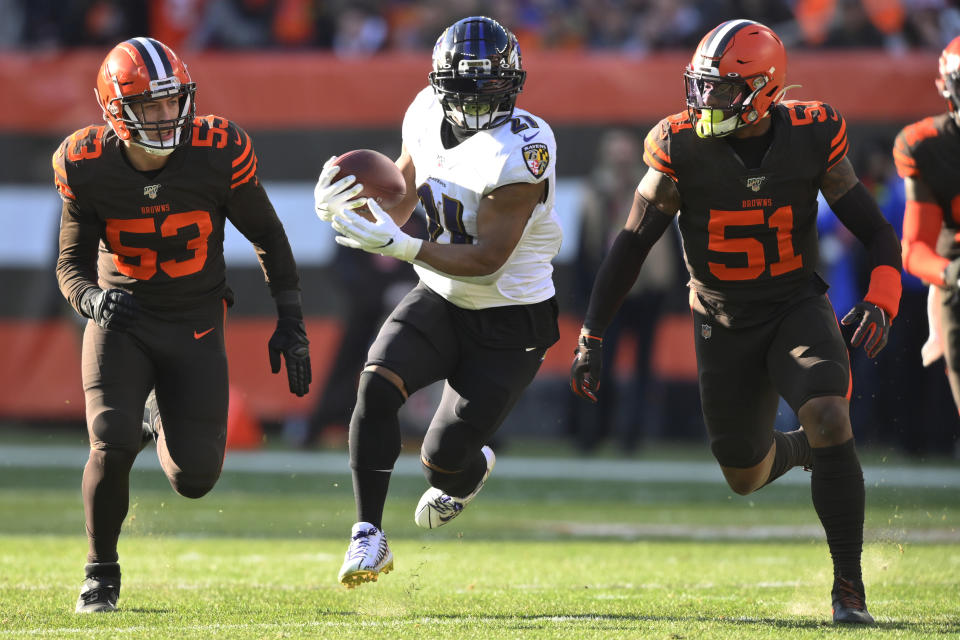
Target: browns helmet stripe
{"x":716,"y":43}
{"x":154,"y":57}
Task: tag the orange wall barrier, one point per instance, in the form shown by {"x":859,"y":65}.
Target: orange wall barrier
{"x":40,"y":371}
{"x":53,"y":92}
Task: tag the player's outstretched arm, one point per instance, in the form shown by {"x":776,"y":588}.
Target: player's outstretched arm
{"x":858,"y":211}
{"x":654,"y":205}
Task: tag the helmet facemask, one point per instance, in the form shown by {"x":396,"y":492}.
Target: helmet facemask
{"x":720,"y":106}
{"x":474,"y":97}
{"x":128,"y":111}
{"x":477,"y":74}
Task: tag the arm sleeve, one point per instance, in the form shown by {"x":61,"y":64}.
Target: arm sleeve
{"x":921,"y":225}
{"x":859,"y":213}
{"x":77,"y":259}
{"x":250,"y":211}
{"x":253,"y":215}
{"x":621,"y":266}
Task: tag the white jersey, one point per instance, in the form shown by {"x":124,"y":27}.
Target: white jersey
{"x":451,"y":183}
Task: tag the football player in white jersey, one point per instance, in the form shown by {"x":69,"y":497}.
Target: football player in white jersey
{"x":484,"y":312}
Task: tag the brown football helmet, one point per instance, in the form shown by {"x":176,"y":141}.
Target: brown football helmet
{"x":737,"y":74}
{"x":138,"y":71}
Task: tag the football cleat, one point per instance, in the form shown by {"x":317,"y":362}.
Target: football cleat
{"x":849,"y":603}
{"x":367,"y":556}
{"x":436,"y":508}
{"x":100,"y":593}
{"x":151,"y":420}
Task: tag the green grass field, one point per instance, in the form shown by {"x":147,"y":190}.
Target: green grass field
{"x":550,"y":558}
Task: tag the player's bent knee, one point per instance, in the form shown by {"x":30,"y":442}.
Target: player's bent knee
{"x":390,"y":376}
{"x":826,"y":417}
{"x":193,"y":485}
{"x":742,"y":483}
{"x":116,"y":430}
{"x":446,"y":453}
{"x":740,"y":453}
{"x":447,"y":479}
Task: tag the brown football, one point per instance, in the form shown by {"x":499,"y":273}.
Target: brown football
{"x":382,"y":180}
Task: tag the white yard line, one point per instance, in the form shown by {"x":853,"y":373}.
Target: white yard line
{"x":641,"y":471}
{"x":626,"y":531}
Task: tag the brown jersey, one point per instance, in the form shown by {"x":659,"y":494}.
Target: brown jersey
{"x":749,"y":235}
{"x":929,"y":150}
{"x":159,"y":235}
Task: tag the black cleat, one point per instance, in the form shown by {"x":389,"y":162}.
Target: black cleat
{"x":100,"y":593}
{"x":151,"y":420}
{"x":849,"y":603}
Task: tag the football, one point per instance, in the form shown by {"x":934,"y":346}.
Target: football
{"x":382,"y":180}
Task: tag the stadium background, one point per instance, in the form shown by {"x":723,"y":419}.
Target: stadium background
{"x":310,"y":79}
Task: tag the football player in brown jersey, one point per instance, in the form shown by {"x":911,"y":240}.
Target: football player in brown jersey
{"x":145,"y":201}
{"x":743,"y":169}
{"x":927,"y":154}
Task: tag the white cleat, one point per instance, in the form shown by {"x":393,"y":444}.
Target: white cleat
{"x":367,"y":556}
{"x":436,"y":508}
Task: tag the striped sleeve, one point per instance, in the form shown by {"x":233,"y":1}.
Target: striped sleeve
{"x":244,"y":164}
{"x":656,"y":150}
{"x":907,"y":142}
{"x":903,"y":154}
{"x":60,"y":175}
{"x":838,"y":143}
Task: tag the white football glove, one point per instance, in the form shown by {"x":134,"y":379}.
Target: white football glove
{"x":329,"y":199}
{"x":383,"y":236}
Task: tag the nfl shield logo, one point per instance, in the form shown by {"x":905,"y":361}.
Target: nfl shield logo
{"x":151,"y":191}
{"x":756,"y":182}
{"x":706,"y":331}
{"x":537,"y":157}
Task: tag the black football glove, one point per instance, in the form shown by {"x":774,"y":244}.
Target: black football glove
{"x":111,"y":309}
{"x":585,"y":371}
{"x":290,"y":339}
{"x":873,"y":329}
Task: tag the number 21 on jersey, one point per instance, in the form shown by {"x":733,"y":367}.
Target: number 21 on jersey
{"x":451,"y":218}
{"x":722,"y":221}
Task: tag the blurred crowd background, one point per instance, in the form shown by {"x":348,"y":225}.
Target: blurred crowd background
{"x":381,"y":50}
{"x":368,"y":27}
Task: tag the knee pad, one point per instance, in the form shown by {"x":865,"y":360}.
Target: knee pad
{"x":193,"y":465}
{"x":450,"y":450}
{"x":114,"y":430}
{"x":374,"y":427}
{"x":740,"y":452}
{"x":193,"y":485}
{"x":825,"y":378}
